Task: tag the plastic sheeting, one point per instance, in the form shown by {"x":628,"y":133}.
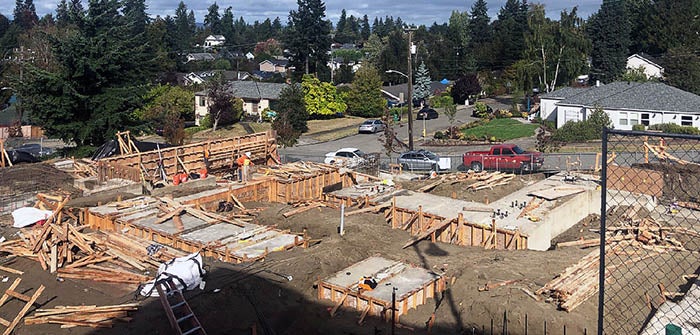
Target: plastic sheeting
{"x":186,"y":272}
{"x":111,"y":148}
{"x":27,"y":216}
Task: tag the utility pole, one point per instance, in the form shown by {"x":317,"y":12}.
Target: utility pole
{"x":410,"y":31}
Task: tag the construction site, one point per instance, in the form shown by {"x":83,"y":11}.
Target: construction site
{"x":312,"y":248}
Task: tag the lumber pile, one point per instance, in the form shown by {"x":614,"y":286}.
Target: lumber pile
{"x":575,"y":285}
{"x":491,"y":180}
{"x":87,"y":316}
{"x":83,"y":168}
{"x":298,"y":170}
{"x":482,"y":179}
{"x":60,"y":246}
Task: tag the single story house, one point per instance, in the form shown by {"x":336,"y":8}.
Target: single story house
{"x":627,"y":104}
{"x":274,"y":66}
{"x":256,"y":97}
{"x":194,"y":78}
{"x":200,"y":57}
{"x":651,"y":66}
{"x":214,"y":41}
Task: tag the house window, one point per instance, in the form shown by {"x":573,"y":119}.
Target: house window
{"x":624,"y":121}
{"x":634,"y":119}
{"x":202,"y":102}
{"x":686,"y":120}
{"x":645,"y":119}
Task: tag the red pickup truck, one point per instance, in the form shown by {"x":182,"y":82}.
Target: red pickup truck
{"x":503,"y":157}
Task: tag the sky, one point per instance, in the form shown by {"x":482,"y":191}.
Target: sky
{"x":416,"y":12}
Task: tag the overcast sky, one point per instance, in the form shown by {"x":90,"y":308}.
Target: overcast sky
{"x":415,"y":11}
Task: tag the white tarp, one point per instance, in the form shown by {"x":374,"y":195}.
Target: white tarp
{"x":186,"y":272}
{"x":27,"y":216}
{"x":683,"y":314}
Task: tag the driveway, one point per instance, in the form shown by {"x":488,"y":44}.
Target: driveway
{"x":371,"y":143}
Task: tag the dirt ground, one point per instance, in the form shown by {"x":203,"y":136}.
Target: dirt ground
{"x":236,"y":297}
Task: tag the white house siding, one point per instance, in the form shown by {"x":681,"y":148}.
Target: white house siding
{"x":569,"y":113}
{"x":649,"y":69}
{"x":548,"y":109}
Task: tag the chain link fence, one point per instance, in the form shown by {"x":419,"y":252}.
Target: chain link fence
{"x":553,"y":162}
{"x":650,"y":240}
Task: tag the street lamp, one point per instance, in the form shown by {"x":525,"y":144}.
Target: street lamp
{"x":409,"y":100}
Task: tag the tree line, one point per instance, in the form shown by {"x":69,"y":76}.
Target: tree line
{"x":86,"y":72}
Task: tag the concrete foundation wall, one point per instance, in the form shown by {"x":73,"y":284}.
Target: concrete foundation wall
{"x":562,"y":217}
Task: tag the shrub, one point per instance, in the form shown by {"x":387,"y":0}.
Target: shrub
{"x":481,"y":110}
{"x":639,"y":127}
{"x":503,"y":114}
{"x":439,"y":135}
{"x":673,"y":128}
{"x":206,"y":122}
{"x":440,"y":101}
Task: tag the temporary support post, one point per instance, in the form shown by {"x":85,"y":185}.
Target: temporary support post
{"x":342,"y":218}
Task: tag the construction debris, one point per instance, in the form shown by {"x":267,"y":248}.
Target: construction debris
{"x":482,"y":180}
{"x":86,"y":316}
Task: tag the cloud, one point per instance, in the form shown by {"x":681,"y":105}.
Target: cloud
{"x":416,"y":12}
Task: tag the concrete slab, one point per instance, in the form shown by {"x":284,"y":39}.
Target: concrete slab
{"x":352,"y":274}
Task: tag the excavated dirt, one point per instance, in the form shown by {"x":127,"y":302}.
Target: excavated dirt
{"x":238,"y":297}
{"x":680,"y":181}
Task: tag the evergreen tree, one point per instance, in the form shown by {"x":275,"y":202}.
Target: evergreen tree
{"x":458,"y":33}
{"x":365,"y":29}
{"x":212,"y":20}
{"x":308,"y":38}
{"x":365,"y":98}
{"x":99,"y":83}
{"x":609,"y":31}
{"x":135,"y":15}
{"x":674,"y":24}
{"x":340,"y":28}
{"x":227,"y":24}
{"x":479,"y":28}
{"x":184,"y":33}
{"x":277,"y":28}
{"x":509,"y":32}
{"x":422,"y":86}
{"x":682,"y":68}
{"x":25,"y":14}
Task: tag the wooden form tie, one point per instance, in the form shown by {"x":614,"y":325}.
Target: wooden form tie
{"x":11,"y":293}
{"x":179,"y":313}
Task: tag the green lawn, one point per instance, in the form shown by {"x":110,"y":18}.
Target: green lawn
{"x":502,"y":129}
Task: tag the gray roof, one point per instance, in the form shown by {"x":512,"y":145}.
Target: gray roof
{"x":563,"y":93}
{"x":648,"y":96}
{"x":254,"y":90}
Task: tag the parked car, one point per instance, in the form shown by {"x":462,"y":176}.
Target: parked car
{"x":372,"y":126}
{"x":35,"y":149}
{"x":426,"y":114}
{"x":503,"y":157}
{"x":347,"y":157}
{"x":419,"y":160}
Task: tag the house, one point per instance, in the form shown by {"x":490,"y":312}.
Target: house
{"x":651,"y":66}
{"x":626,"y":103}
{"x":274,"y":65}
{"x":194,"y":78}
{"x":199,"y":57}
{"x":214,"y":41}
{"x":256,"y":97}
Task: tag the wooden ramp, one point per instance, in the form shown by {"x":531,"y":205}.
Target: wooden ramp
{"x":413,"y":286}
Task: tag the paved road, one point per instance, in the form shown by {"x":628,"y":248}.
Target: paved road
{"x":371,"y":143}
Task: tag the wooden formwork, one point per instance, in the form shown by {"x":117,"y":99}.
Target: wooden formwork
{"x":414,"y":286}
{"x":112,"y":170}
{"x":217,"y":154}
{"x":221,"y":237}
{"x":453,"y":230}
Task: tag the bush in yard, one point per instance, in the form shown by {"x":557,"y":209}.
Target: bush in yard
{"x":439,"y":135}
{"x":673,"y":128}
{"x":590,"y":129}
{"x":639,"y":127}
{"x":440,"y":101}
{"x":481,"y":110}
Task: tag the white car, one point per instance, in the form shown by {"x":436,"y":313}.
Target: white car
{"x":347,"y":157}
{"x":371,"y":126}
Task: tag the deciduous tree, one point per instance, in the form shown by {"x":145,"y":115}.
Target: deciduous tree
{"x":321,"y":98}
{"x":365,"y":97}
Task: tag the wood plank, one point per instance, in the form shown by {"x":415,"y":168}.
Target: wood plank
{"x":24,"y":310}
{"x":439,"y":226}
{"x":338,"y":303}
